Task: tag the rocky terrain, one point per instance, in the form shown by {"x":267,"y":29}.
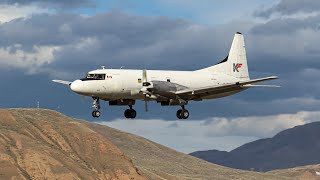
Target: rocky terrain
{"x":298,"y":146}
{"x":44,"y":144}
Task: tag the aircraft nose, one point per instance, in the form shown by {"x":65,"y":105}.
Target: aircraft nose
{"x":77,"y":86}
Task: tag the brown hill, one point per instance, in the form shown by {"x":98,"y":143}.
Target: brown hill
{"x":41,"y":144}
{"x":44,"y":144}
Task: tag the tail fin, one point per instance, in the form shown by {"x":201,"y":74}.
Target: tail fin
{"x":235,"y":64}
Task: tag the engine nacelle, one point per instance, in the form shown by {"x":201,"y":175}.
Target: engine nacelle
{"x":174,"y":102}
{"x":122,"y":102}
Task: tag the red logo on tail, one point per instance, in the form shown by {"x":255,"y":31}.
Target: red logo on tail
{"x":236,"y":67}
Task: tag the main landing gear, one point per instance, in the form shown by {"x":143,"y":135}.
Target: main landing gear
{"x":182,"y":113}
{"x":96,"y":105}
{"x":130,"y":113}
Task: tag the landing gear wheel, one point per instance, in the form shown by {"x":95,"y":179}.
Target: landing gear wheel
{"x":185,"y":114}
{"x":179,"y":114}
{"x":130,"y":113}
{"x":182,"y":114}
{"x":96,"y":114}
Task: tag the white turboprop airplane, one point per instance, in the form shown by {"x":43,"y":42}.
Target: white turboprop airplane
{"x":122,"y":87}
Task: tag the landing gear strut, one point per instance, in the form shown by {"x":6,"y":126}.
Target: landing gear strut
{"x":182,"y":113}
{"x":96,"y":105}
{"x":130,"y":113}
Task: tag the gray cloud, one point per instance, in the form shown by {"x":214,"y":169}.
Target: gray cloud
{"x":289,"y":7}
{"x":288,"y":25}
{"x":65,"y":4}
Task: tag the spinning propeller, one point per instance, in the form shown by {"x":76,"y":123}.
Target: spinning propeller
{"x":145,"y":86}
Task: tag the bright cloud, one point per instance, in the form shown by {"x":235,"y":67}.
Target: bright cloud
{"x":258,"y":126}
{"x":15,"y":56}
{"x":10,"y":12}
{"x":214,"y":133}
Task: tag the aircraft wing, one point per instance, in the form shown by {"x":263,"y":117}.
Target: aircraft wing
{"x":62,"y":82}
{"x":225,"y":87}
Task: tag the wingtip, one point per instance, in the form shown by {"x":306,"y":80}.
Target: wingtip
{"x":56,"y":81}
{"x":62,"y":82}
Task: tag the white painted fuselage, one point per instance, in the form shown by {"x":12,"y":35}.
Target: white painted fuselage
{"x":126,"y":84}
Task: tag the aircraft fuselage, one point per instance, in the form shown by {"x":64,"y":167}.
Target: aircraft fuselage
{"x":126,"y":84}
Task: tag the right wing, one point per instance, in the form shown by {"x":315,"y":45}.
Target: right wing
{"x":62,"y":82}
{"x":223,"y":88}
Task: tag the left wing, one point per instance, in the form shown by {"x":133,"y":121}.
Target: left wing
{"x":224,"y":87}
{"x":62,"y":82}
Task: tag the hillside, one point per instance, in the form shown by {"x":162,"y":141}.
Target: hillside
{"x":298,"y":146}
{"x":38,"y":144}
{"x":44,"y":144}
{"x":311,"y":172}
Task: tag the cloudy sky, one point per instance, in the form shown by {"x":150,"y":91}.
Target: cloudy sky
{"x":41,"y":40}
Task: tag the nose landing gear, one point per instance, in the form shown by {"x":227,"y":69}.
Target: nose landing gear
{"x":182,"y":113}
{"x":96,"y":105}
{"x":96,"y":113}
{"x":130,"y":113}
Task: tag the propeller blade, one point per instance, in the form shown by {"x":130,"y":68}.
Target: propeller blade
{"x":144,"y":89}
{"x":145,"y":103}
{"x":146,"y":106}
{"x":83,"y":98}
{"x":144,"y":76}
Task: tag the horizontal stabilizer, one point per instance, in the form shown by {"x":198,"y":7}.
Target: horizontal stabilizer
{"x":62,"y":82}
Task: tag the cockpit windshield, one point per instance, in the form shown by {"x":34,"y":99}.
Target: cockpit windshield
{"x":94,"y":77}
{"x":90,"y":76}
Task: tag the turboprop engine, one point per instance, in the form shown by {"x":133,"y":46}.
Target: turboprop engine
{"x":166,"y":89}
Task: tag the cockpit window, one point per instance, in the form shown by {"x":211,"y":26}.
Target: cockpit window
{"x":94,"y":77}
{"x":90,"y":76}
{"x":99,"y":76}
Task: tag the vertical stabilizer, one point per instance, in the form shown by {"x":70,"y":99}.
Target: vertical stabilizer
{"x":235,"y":64}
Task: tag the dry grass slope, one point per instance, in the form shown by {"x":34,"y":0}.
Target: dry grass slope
{"x":302,"y":173}
{"x":44,"y":144}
